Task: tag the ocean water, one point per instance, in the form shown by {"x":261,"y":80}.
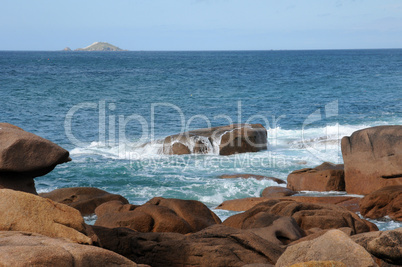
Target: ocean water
{"x":105,"y":108}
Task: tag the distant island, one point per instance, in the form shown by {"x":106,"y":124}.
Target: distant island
{"x":100,"y":46}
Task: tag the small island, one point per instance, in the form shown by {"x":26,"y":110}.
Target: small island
{"x":100,"y":46}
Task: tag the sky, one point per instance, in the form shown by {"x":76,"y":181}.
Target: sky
{"x":201,"y":24}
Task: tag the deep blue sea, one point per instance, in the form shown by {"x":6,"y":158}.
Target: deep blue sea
{"x":104,"y":106}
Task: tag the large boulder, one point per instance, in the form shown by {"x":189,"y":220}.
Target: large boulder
{"x":325,"y":177}
{"x":27,"y":212}
{"x":222,"y":140}
{"x":386,"y":201}
{"x":24,"y":156}
{"x":277,"y":229}
{"x":217,"y":245}
{"x":387,"y":246}
{"x":30,"y":249}
{"x":84,"y":199}
{"x":310,"y":216}
{"x":373,"y":159}
{"x":363,"y":239}
{"x":332,"y":246}
{"x":157,"y":215}
{"x":322,"y":216}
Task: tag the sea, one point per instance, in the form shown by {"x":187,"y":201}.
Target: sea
{"x":109,"y":109}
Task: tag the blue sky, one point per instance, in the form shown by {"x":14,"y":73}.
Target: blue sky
{"x":201,"y":24}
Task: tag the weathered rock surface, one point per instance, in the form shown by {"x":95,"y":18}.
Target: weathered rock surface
{"x":84,"y":199}
{"x":350,"y":203}
{"x":332,"y":246}
{"x":227,"y":140}
{"x":22,"y":211}
{"x":24,"y":156}
{"x":363,"y":240}
{"x":387,"y":246}
{"x":253,"y":176}
{"x":312,"y":215}
{"x":315,"y":233}
{"x":157,"y":215}
{"x":242,"y":204}
{"x":280,"y":230}
{"x":386,"y":201}
{"x":30,"y":249}
{"x":216,"y":245}
{"x":277,"y":191}
{"x":325,"y":177}
{"x":373,"y":159}
{"x":323,"y":216}
{"x":319,"y":264}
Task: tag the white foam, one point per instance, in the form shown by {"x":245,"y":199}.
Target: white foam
{"x":312,"y":145}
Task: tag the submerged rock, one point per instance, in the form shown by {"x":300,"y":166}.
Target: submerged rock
{"x":157,"y":215}
{"x":27,"y":212}
{"x":24,"y":156}
{"x":252,"y":176}
{"x":30,"y":249}
{"x":326,"y":177}
{"x":84,"y":199}
{"x":277,"y":191}
{"x":386,"y":201}
{"x":373,"y":159}
{"x":222,"y":140}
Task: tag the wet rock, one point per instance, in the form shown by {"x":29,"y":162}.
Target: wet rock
{"x":27,"y":212}
{"x":30,"y":249}
{"x":24,"y":156}
{"x":225,"y":140}
{"x":179,"y":149}
{"x":332,"y":246}
{"x":253,"y":176}
{"x":216,"y":245}
{"x":157,"y":215}
{"x":277,"y":191}
{"x":386,"y":201}
{"x":373,"y":159}
{"x":326,"y":177}
{"x":84,"y":199}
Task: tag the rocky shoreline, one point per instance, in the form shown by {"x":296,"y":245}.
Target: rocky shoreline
{"x":280,"y":228}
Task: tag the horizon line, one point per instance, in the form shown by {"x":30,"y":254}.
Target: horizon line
{"x":205,"y":50}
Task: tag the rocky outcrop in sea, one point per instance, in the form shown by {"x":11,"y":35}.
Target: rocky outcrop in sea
{"x":281,"y":228}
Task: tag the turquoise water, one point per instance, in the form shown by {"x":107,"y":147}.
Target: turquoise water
{"x":103,"y":107}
